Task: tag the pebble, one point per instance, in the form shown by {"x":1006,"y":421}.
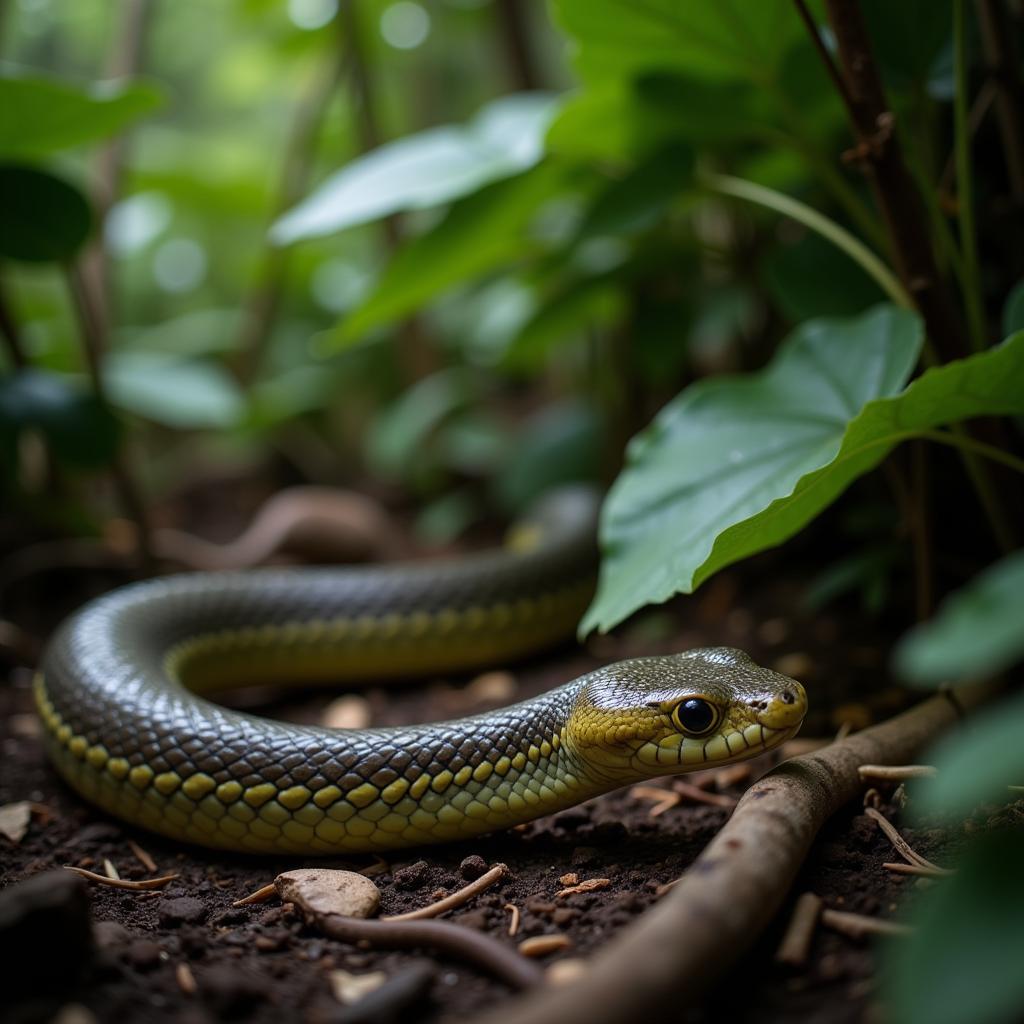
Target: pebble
{"x":412,"y":876}
{"x":181,"y":910}
{"x":472,"y":867}
{"x":320,"y":891}
{"x":44,"y":920}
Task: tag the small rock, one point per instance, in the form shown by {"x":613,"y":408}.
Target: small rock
{"x":320,"y":891}
{"x":14,"y":819}
{"x":181,"y":910}
{"x":472,"y":867}
{"x":44,"y":921}
{"x":412,"y":876}
{"x":143,"y":954}
{"x":110,"y":934}
{"x":566,"y":970}
{"x":350,"y":988}
{"x":349,"y":712}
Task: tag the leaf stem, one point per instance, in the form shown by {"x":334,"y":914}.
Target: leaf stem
{"x":964,"y":442}
{"x":867,"y":260}
{"x":965,"y":200}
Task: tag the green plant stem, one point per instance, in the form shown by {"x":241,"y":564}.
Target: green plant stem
{"x":965,"y":200}
{"x":965,"y":443}
{"x":867,"y":260}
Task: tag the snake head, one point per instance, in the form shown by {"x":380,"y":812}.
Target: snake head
{"x":663,"y":716}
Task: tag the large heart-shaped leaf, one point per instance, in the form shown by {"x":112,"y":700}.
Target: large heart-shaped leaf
{"x":734,"y":466}
{"x":977,"y":632}
{"x":39,"y":116}
{"x":426,"y":169}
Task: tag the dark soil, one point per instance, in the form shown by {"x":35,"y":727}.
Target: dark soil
{"x":262,"y":963}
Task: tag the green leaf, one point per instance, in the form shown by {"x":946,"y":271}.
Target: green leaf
{"x":975,"y":635}
{"x":400,"y":431}
{"x":962,"y":963}
{"x":727,"y":38}
{"x":1013,"y":311}
{"x":44,"y":218}
{"x":426,"y":169}
{"x":479,"y":233}
{"x":80,"y":429}
{"x":39,"y":116}
{"x":975,"y":763}
{"x":734,"y":466}
{"x":183,"y":394}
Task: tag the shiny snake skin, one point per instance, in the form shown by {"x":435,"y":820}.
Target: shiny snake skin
{"x":120,"y":696}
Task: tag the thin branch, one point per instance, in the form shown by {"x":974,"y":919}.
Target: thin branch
{"x":677,"y":950}
{"x":880,"y":156}
{"x":964,"y":189}
{"x":999,"y":38}
{"x":514,"y":39}
{"x":826,"y":58}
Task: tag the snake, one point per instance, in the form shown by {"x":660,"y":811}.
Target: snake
{"x":126,"y":686}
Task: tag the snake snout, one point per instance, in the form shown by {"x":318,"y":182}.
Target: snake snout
{"x":784,"y":708}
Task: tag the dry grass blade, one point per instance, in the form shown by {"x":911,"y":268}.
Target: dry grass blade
{"x":109,"y":870}
{"x":857,"y":926}
{"x":513,"y":921}
{"x":141,"y":856}
{"x":122,"y":883}
{"x":456,"y":899}
{"x":897,"y":772}
{"x":908,"y":852}
{"x":262,"y":895}
{"x":664,"y":799}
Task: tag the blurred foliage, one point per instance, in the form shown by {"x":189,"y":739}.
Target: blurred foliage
{"x":378,"y":243}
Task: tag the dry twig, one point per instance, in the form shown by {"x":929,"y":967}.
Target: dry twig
{"x":796,"y":943}
{"x":141,"y":856}
{"x":908,"y":852}
{"x":122,"y":883}
{"x":456,"y":899}
{"x":513,"y":921}
{"x":916,"y":869}
{"x":262,"y":895}
{"x":857,"y":926}
{"x":897,"y":772}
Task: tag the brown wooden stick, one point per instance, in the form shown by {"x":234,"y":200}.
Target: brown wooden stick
{"x":680,"y":947}
{"x":899,"y":868}
{"x":796,"y":943}
{"x":456,"y":899}
{"x":857,"y":926}
{"x":909,"y":853}
{"x":896,"y":771}
{"x":122,"y":883}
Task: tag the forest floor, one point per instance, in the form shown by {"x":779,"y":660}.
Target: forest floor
{"x":185,"y":954}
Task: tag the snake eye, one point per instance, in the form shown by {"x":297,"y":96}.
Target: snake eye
{"x":695,"y":716}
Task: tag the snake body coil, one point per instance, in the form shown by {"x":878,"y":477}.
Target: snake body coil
{"x":119,"y":693}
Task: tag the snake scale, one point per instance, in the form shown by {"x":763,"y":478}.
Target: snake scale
{"x":120,"y":693}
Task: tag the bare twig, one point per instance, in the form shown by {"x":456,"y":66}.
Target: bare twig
{"x":898,"y":772}
{"x":796,"y":943}
{"x":858,"y":926}
{"x":894,"y":837}
{"x":456,"y":899}
{"x":542,"y":945}
{"x":898,"y":868}
{"x":464,"y":943}
{"x":262,"y":895}
{"x":513,"y":921}
{"x":122,"y":883}
{"x":688,"y":939}
{"x":142,"y":857}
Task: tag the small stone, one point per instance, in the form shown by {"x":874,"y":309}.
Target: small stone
{"x":412,"y":876}
{"x":320,"y":891}
{"x":472,"y":867}
{"x":181,"y":910}
{"x":14,"y":819}
{"x":349,"y":712}
{"x":350,"y":988}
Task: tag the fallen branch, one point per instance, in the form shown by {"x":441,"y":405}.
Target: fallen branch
{"x":796,"y":943}
{"x":679,"y":948}
{"x":897,"y":772}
